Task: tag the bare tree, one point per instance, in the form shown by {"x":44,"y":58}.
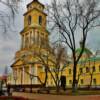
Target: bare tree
{"x":91,"y":77}
{"x":53,"y":61}
{"x":24,"y":59}
{"x":73,"y":17}
{"x":7,"y":15}
{"x":91,"y":72}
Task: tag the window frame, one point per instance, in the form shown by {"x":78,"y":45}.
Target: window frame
{"x":94,"y":81}
{"x":70,"y":81}
{"x":29,"y":20}
{"x":93,"y":69}
{"x":81,"y":70}
{"x":87,"y":69}
{"x":40,"y":20}
{"x":82,"y":81}
{"x":70,"y":71}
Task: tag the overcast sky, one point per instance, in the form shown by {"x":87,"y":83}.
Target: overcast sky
{"x":8,"y":46}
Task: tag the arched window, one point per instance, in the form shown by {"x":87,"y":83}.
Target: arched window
{"x":99,"y":67}
{"x":93,"y":69}
{"x":87,"y":69}
{"x":29,"y":20}
{"x":94,"y":81}
{"x":82,"y":81}
{"x":70,"y":71}
{"x":40,"y":20}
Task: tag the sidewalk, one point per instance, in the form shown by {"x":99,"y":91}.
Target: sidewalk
{"x":33,"y":96}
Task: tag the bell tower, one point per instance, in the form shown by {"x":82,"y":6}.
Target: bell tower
{"x":34,"y":38}
{"x":34,"y":32}
{"x":35,"y":14}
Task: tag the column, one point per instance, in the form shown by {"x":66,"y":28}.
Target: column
{"x":35,"y":73}
{"x":30,"y":71}
{"x":40,"y":41}
{"x":13,"y":82}
{"x":24,"y":41}
{"x":33,"y":37}
{"x":36,"y":37}
{"x":23,"y":75}
{"x":30,"y":38}
{"x":39,"y":38}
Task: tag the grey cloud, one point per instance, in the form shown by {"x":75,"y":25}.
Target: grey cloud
{"x":8,"y":47}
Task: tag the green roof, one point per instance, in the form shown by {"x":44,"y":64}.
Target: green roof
{"x":94,"y":59}
{"x":86,"y":51}
{"x":91,"y":59}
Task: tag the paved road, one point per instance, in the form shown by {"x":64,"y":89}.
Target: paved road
{"x":56,"y":97}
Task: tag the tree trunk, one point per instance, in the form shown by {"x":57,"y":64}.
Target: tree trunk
{"x":46,"y":77}
{"x":57,"y":89}
{"x":74,"y":85}
{"x":90,"y":82}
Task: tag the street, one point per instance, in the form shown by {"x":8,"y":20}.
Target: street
{"x":32,"y":96}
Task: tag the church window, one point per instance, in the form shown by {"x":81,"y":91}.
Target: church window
{"x":70,"y":81}
{"x":81,"y":70}
{"x":82,"y":82}
{"x":29,"y":20}
{"x":94,"y":81}
{"x":40,"y":20}
{"x":99,"y":68}
{"x":93,"y":68}
{"x":70,"y":71}
{"x":87,"y":69}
